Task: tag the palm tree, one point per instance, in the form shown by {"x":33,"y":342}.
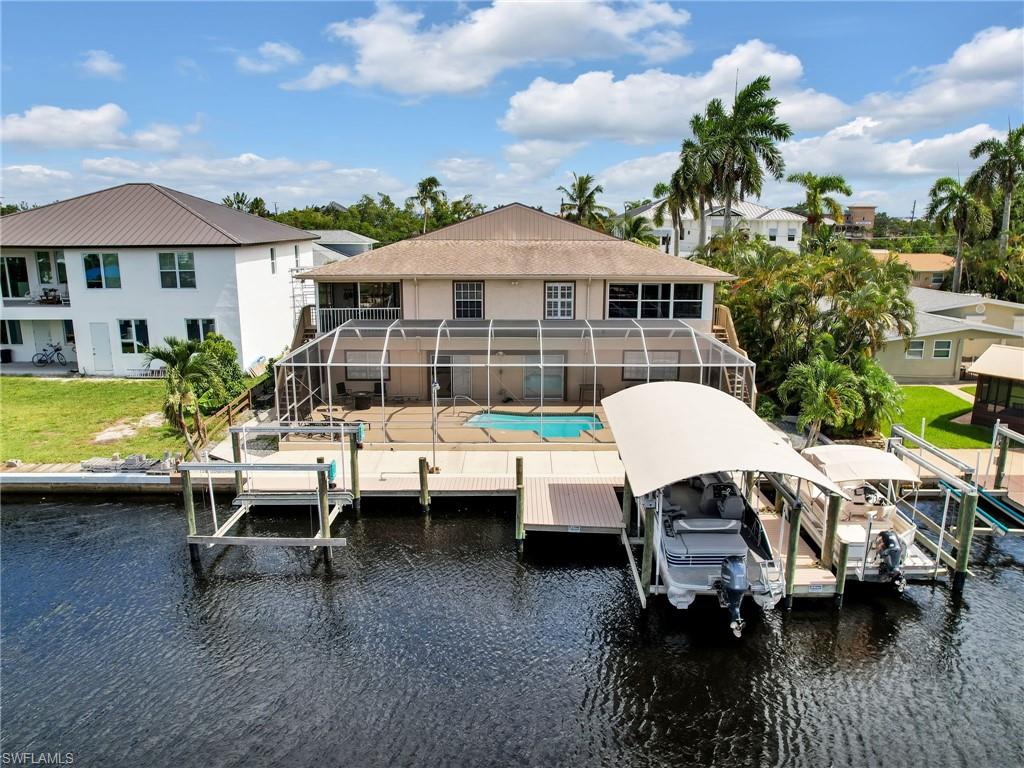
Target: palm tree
{"x":636,"y":229}
{"x":745,"y":142}
{"x":827,"y":393}
{"x":1002,"y":170}
{"x":428,"y":195}
{"x":582,"y":206}
{"x":185,"y":368}
{"x":818,"y":189}
{"x":702,"y":159}
{"x":257,"y":207}
{"x":952,"y":207}
{"x":676,"y":197}
{"x":883,"y":397}
{"x":236,"y":200}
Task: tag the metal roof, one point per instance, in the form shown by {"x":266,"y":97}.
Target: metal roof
{"x":341,"y":237}
{"x":140,"y":215}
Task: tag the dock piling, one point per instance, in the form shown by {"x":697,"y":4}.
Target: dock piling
{"x":190,"y":512}
{"x":965,"y":532}
{"x":236,"y":456}
{"x":844,"y":559}
{"x":520,"y":500}
{"x":353,"y":457}
{"x":424,"y":488}
{"x":325,"y":508}
{"x":791,"y":552}
{"x":647,"y":558}
{"x":835,"y":503}
{"x":627,"y":504}
{"x":1004,"y":451}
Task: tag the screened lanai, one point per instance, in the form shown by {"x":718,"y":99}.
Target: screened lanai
{"x":430,"y":380}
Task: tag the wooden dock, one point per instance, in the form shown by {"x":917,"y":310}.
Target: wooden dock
{"x":810,"y":579}
{"x":573,"y":505}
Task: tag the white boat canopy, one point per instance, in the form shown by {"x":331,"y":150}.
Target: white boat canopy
{"x":844,"y":463}
{"x":669,"y":431}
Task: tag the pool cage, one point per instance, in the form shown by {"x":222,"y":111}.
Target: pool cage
{"x":420,"y":380}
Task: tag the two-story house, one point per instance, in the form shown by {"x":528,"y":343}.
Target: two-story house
{"x":109,"y":273}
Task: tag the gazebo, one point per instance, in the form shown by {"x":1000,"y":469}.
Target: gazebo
{"x":1000,"y":392}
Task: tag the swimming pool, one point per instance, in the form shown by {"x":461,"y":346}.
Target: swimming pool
{"x":557,"y":425}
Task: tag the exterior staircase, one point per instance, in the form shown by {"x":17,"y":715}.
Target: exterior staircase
{"x":723,"y":329}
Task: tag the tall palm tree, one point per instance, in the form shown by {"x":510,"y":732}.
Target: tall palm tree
{"x":236,"y":200}
{"x":827,"y":393}
{"x":746,"y":140}
{"x":185,"y":368}
{"x":818,"y":190}
{"x":581,"y":204}
{"x":676,"y":197}
{"x":1003,"y":170}
{"x":702,"y":157}
{"x":636,"y":229}
{"x":952,"y":207}
{"x":428,"y":195}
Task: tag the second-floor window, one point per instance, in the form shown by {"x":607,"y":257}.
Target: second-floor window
{"x":559,"y":301}
{"x":654,"y":300}
{"x":177,"y":270}
{"x":44,"y":266}
{"x":469,"y":300}
{"x":773,"y":234}
{"x":198,"y":328}
{"x":102,"y":270}
{"x":134,"y":336}
{"x":14,"y":275}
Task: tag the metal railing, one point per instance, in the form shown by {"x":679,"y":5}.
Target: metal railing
{"x":329,"y":318}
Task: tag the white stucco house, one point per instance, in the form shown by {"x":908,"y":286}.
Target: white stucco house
{"x":110,"y":272}
{"x":777,"y":225}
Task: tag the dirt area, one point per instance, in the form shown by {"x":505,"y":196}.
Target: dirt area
{"x":126,"y":428}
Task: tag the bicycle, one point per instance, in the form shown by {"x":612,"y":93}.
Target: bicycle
{"x":50,"y":353}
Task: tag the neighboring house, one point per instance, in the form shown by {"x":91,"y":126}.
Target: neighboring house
{"x":859,"y":222}
{"x":110,"y":272}
{"x":777,"y":225}
{"x":953,"y":329}
{"x":536,"y":283}
{"x":929,"y":269}
{"x":1000,"y":392}
{"x":334,"y":244}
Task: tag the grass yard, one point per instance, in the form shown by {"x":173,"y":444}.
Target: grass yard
{"x":939,"y":408}
{"x":57,"y":420}
{"x":971,"y":390}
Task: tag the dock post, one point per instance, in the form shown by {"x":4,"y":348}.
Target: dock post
{"x":627,"y":504}
{"x":965,"y":532}
{"x":791,"y":550}
{"x":424,"y":488}
{"x":520,"y":501}
{"x":236,"y":456}
{"x":1004,"y":450}
{"x":353,"y":459}
{"x":835,"y":503}
{"x":844,"y":559}
{"x":190,"y":512}
{"x":325,"y":508}
{"x":647,"y":558}
{"x":748,"y":485}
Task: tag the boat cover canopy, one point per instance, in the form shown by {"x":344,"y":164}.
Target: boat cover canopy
{"x":844,"y":463}
{"x":669,"y":431}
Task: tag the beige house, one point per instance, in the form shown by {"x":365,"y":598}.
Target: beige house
{"x":515,"y":307}
{"x":928,"y":269}
{"x":953,"y":330}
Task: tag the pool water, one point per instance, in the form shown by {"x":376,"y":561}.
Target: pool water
{"x":564,"y":425}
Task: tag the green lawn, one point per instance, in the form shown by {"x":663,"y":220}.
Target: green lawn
{"x":971,"y":390}
{"x":939,"y":408}
{"x":55,"y":420}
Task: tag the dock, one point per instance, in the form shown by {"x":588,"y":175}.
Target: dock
{"x":810,"y":578}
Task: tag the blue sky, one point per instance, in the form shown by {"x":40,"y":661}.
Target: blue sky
{"x":308,"y":102}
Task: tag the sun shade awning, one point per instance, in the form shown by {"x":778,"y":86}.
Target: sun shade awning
{"x":843,"y":463}
{"x":670,"y":431}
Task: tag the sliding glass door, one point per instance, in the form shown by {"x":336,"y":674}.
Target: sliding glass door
{"x":551,"y":381}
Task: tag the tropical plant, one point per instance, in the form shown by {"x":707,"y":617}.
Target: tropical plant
{"x":1002,"y":171}
{"x":580,"y":203}
{"x":883,"y":397}
{"x":827,"y":395}
{"x":629,"y":205}
{"x":953,"y":208}
{"x":818,"y":202}
{"x":224,"y":379}
{"x":701,"y":157}
{"x":636,"y":229}
{"x":186,"y":367}
{"x":428,"y":195}
{"x":676,"y":197}
{"x":257,"y":207}
{"x":237,"y":200}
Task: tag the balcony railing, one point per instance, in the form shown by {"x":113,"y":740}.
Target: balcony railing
{"x":329,"y":318}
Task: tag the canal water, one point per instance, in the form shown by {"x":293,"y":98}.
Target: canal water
{"x":434,"y":644}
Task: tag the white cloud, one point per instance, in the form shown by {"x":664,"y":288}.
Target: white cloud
{"x":394,"y":50}
{"x":320,"y":77}
{"x":270,"y":57}
{"x":34,"y":183}
{"x":656,"y":105}
{"x":49,"y":127}
{"x":101,"y":64}
{"x":635,"y":178}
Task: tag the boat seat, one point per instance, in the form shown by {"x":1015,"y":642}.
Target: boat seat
{"x":731,"y":508}
{"x":705,"y":525}
{"x":709,"y":507}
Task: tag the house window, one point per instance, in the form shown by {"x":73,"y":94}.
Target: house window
{"x":44,"y":266}
{"x":296,"y":254}
{"x":62,"y":269}
{"x":791,"y":234}
{"x":102,"y":270}
{"x":14,"y":277}
{"x":559,"y":301}
{"x":942,"y":349}
{"x":469,"y":300}
{"x":654,"y":300}
{"x":664,"y":365}
{"x":69,"y":332}
{"x":937,"y":278}
{"x":364,"y":365}
{"x":273,"y":261}
{"x":915,"y":350}
{"x":177,"y":270}
{"x":198,"y":328}
{"x":134,"y":336}
{"x":10,"y":332}
{"x":773,"y":234}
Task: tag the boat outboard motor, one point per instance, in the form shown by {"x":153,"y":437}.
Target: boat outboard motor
{"x":890,"y":553}
{"x":732,"y":588}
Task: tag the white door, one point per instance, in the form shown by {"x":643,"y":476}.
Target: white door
{"x":102,"y":362}
{"x":462,"y":376}
{"x":41,"y":333}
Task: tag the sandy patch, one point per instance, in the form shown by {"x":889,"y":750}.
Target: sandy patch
{"x":151,"y":420}
{"x":124,"y":429}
